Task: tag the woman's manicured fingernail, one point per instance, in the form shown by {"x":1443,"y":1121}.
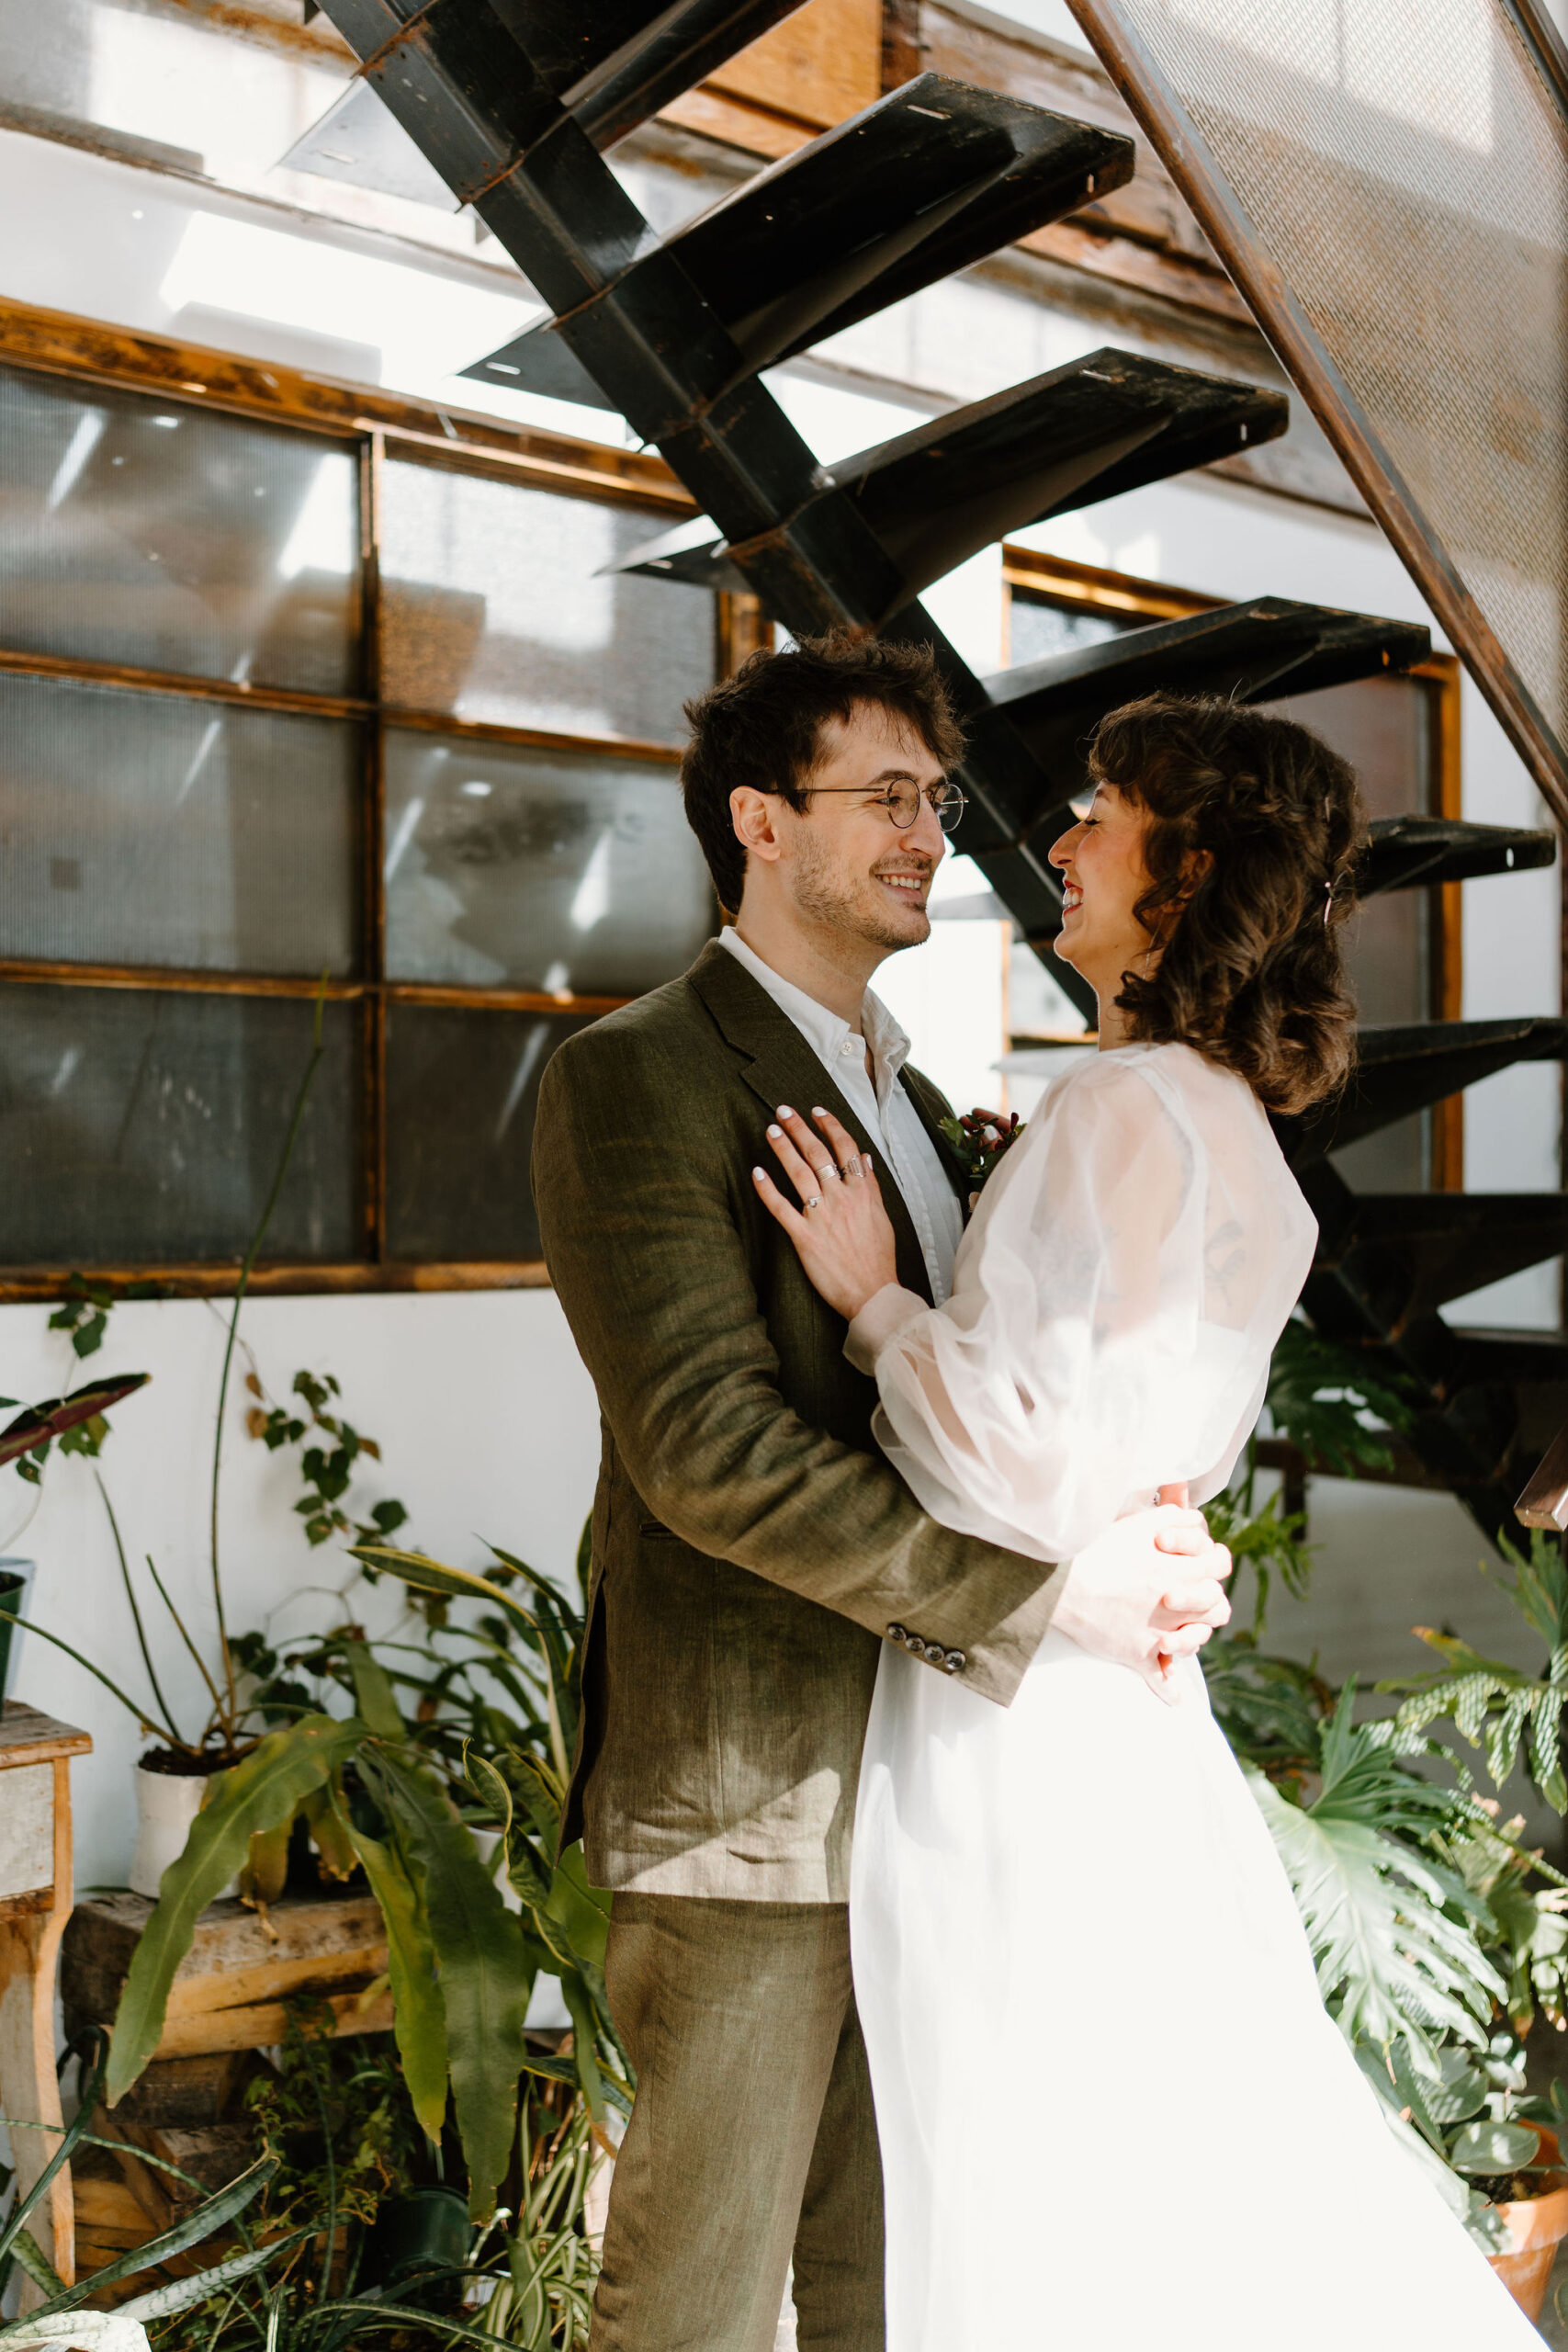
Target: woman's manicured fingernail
{"x":784,"y":1110}
{"x":818,"y":1111}
{"x":775,"y":1131}
{"x":760,"y":1174}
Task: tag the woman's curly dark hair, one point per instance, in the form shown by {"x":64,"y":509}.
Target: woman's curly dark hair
{"x":1250,"y":974}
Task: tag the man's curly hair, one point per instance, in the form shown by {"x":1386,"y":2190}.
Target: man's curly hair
{"x":1250,"y":972}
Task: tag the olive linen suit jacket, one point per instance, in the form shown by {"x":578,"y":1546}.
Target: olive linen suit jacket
{"x":750,"y":1547}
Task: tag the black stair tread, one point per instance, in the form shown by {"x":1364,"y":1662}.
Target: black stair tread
{"x":1399,"y":1216}
{"x":1249,"y":652}
{"x":927,"y":181}
{"x":1406,"y":1253}
{"x":1110,"y":421}
{"x":1266,"y":647}
{"x":1536,"y":1036}
{"x":1410,"y":852}
{"x":1407,"y":1068}
{"x":628,"y":58}
{"x":1511,"y":1358}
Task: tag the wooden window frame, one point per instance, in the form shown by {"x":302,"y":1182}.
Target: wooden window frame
{"x":380,"y":427}
{"x":1083,"y":588}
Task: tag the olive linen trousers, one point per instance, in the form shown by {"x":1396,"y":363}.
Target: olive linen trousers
{"x":751,"y":2137}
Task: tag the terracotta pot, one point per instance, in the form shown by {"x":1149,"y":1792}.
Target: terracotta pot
{"x":1536,"y":2226}
{"x":166,"y":1804}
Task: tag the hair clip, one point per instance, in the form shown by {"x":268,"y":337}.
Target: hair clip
{"x":1327,"y":899}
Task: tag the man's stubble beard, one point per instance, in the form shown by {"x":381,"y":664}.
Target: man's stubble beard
{"x":825,"y":895}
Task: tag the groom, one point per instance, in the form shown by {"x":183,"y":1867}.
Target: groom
{"x":752,"y":1550}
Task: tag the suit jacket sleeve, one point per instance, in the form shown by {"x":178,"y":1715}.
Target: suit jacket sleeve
{"x":640,"y":1209}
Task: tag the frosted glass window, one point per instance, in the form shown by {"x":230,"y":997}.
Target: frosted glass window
{"x":159,"y":536}
{"x":143,"y":1127}
{"x":1037,"y":631}
{"x":145,"y":829}
{"x":461,"y":1092}
{"x":494,"y":607}
{"x":508,"y":865}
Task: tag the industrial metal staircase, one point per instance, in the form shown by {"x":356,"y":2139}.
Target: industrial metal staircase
{"x":513,"y":101}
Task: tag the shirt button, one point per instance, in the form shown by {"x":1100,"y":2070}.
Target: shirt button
{"x":848,"y":1044}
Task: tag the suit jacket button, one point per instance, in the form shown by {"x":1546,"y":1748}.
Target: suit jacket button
{"x":897,"y":1634}
{"x":954,"y":1661}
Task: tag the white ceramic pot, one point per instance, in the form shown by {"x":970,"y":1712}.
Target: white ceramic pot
{"x":166,"y":1804}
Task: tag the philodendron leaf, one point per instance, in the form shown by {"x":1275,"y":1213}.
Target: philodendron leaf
{"x":485,"y":1979}
{"x":1486,"y":2147}
{"x":255,"y":1795}
{"x":433,"y":1575}
{"x":267,"y":1866}
{"x":488,"y":1786}
{"x":419,"y":2015}
{"x":579,"y":2011}
{"x":581,"y":1910}
{"x":329,"y":1834}
{"x":373,"y":1693}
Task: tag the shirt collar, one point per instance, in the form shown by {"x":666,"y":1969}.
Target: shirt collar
{"x":821,"y":1028}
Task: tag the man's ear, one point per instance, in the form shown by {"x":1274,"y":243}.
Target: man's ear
{"x":754,"y":816}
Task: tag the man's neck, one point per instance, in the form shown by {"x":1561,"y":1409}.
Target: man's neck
{"x":837,"y":974}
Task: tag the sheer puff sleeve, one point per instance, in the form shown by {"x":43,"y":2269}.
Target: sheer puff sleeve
{"x":1115,"y":1304}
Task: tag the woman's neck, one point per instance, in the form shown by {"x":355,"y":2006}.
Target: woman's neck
{"x":1114,"y":1030}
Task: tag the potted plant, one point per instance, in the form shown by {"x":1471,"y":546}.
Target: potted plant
{"x":390,"y":1794}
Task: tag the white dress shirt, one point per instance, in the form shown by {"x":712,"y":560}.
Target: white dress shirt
{"x":879,"y":1101}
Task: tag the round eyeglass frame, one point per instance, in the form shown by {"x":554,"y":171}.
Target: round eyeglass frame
{"x":947,"y":813}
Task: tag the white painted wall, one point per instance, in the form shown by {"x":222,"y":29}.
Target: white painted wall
{"x":488,"y":1427}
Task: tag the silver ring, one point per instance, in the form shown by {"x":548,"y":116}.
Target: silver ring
{"x":829,"y":1174}
{"x":815,"y":1203}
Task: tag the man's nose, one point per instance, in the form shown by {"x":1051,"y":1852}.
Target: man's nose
{"x":926,"y":833}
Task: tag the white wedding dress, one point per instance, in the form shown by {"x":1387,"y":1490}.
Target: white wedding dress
{"x":1112,"y":2109}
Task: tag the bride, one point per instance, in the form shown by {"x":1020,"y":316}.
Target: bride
{"x":1112,"y":2109}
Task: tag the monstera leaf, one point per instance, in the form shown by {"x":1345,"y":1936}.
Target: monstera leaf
{"x":1391,"y":1961}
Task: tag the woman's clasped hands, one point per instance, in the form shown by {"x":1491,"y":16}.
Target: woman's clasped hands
{"x":840,"y":1229}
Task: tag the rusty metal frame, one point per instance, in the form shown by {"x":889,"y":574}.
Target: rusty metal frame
{"x":381,"y":429}
{"x":1222,"y":216}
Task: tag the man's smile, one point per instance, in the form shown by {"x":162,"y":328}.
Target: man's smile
{"x":911,"y":888}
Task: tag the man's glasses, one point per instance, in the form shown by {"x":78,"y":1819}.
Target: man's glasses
{"x":902,"y":801}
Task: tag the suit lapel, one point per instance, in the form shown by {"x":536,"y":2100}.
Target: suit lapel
{"x":779,"y":1067}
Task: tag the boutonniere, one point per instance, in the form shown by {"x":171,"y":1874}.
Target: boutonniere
{"x":980,"y":1139}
